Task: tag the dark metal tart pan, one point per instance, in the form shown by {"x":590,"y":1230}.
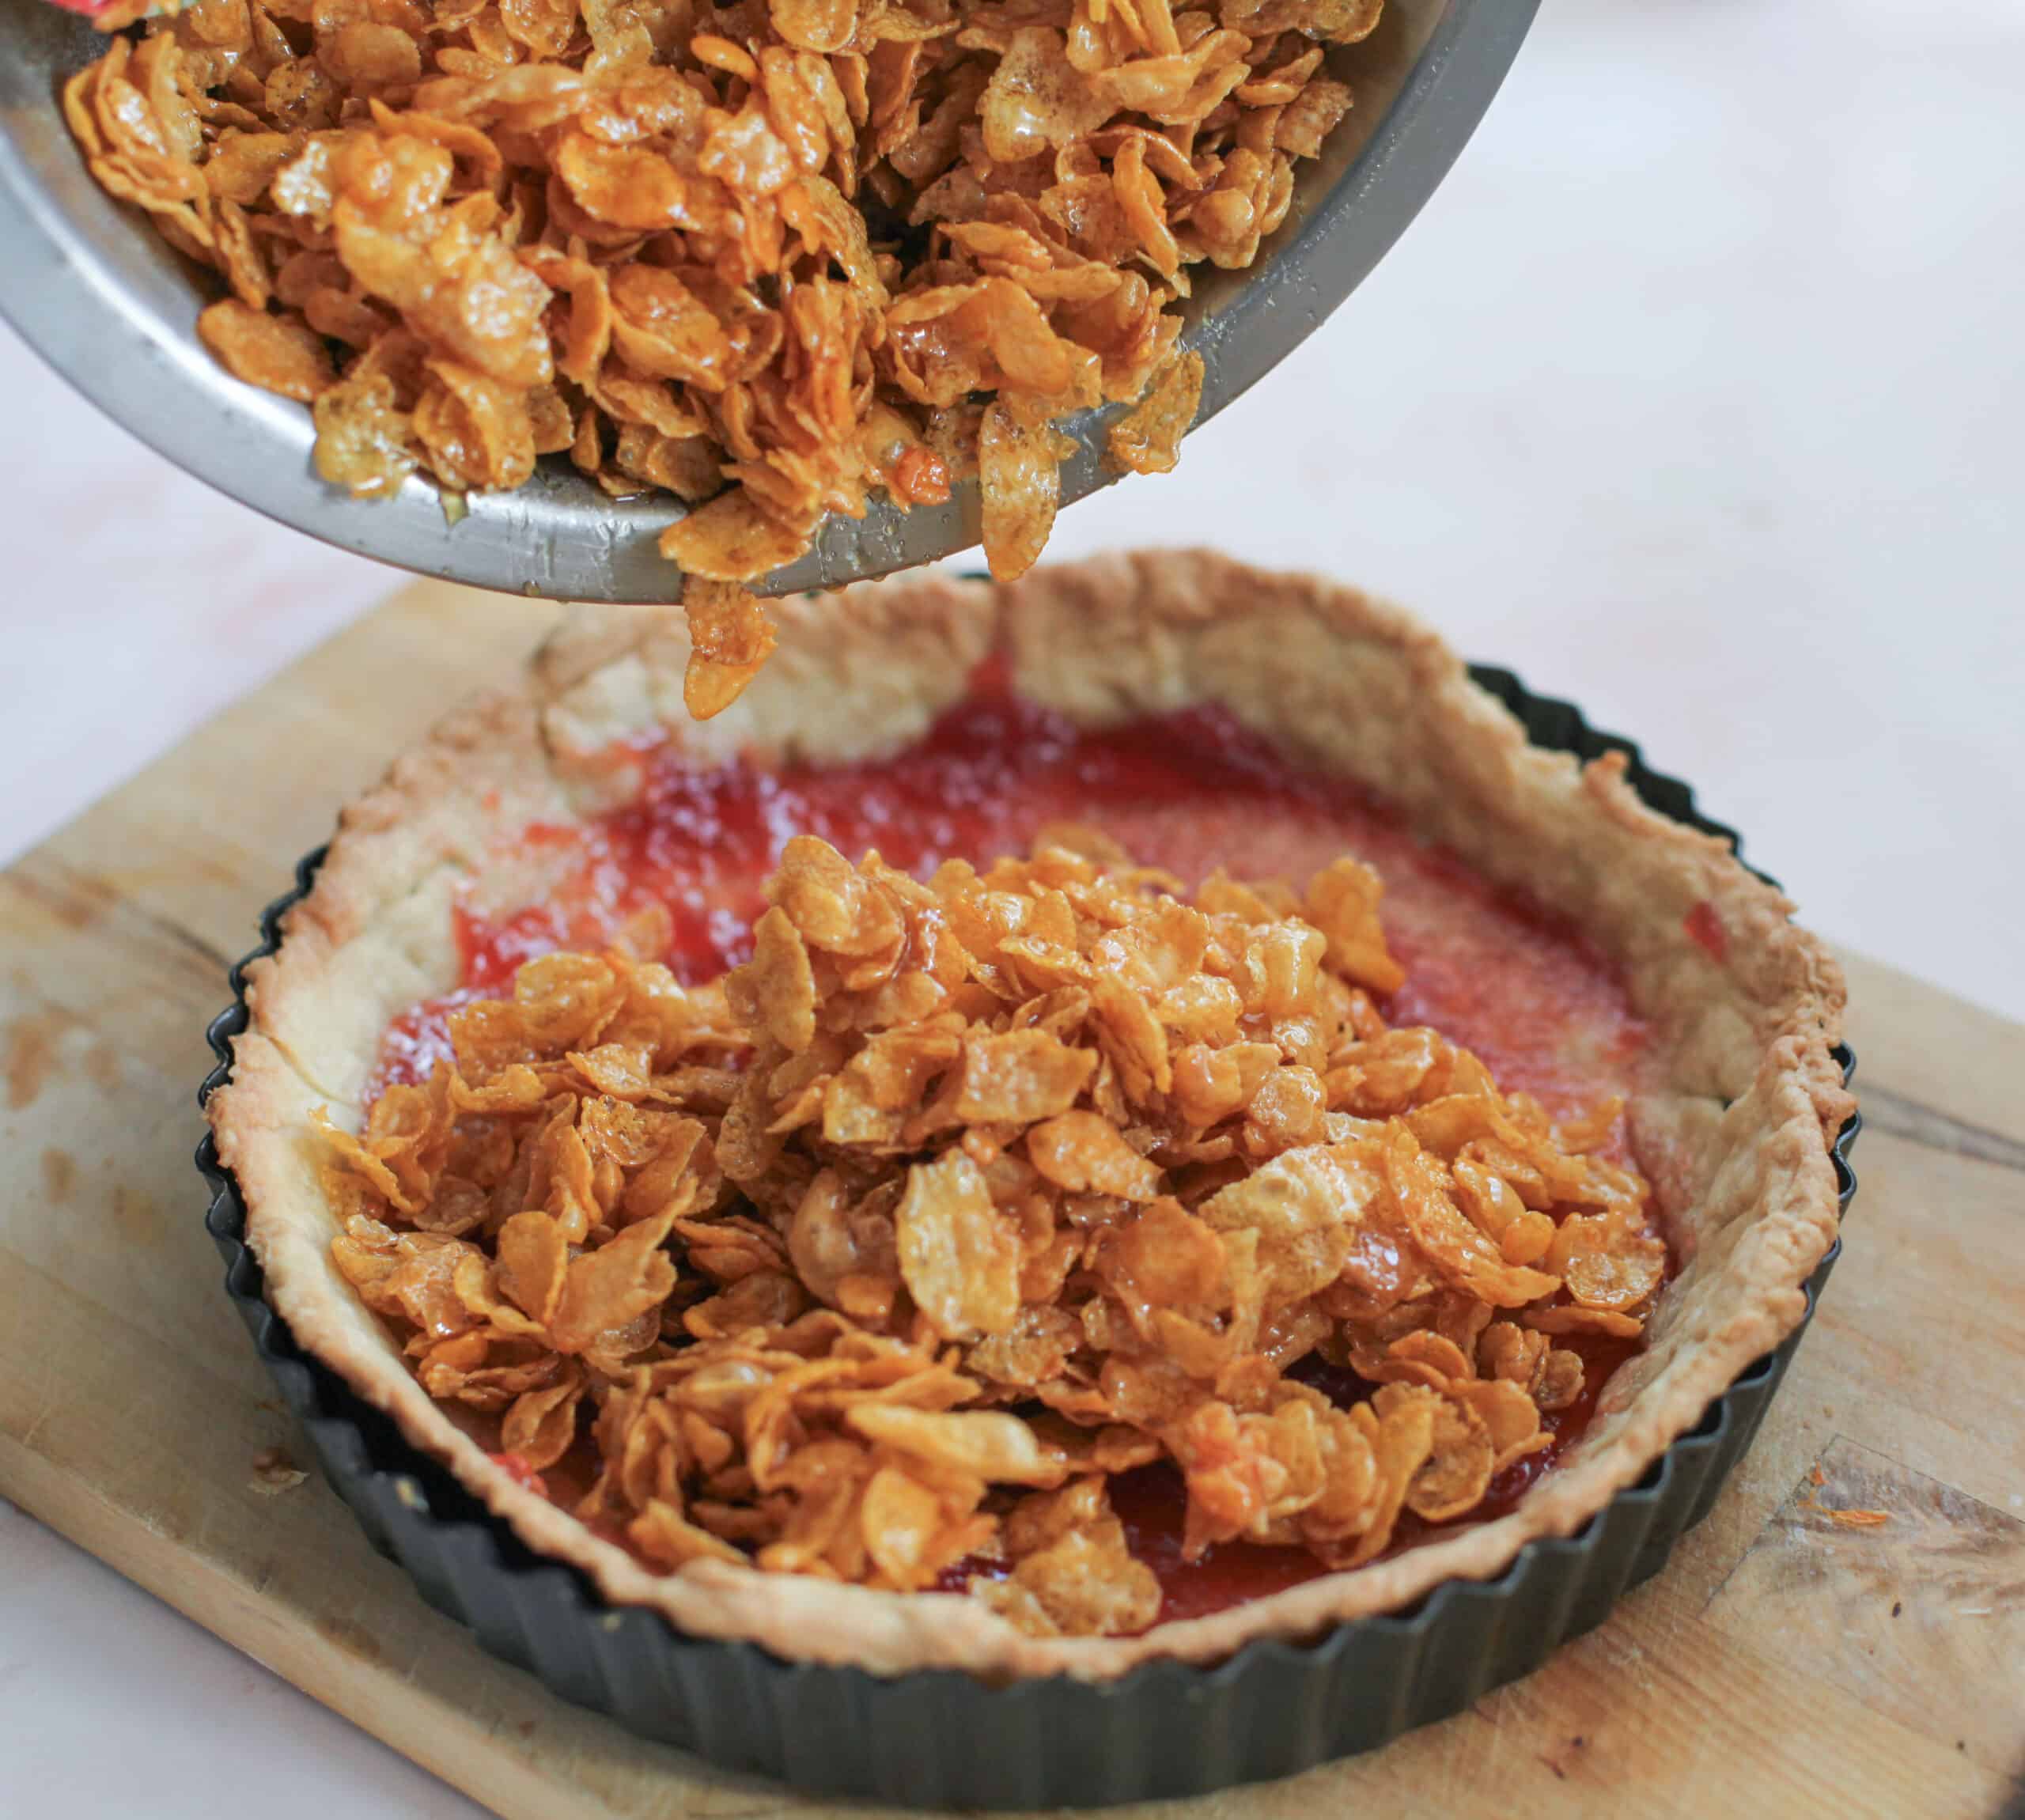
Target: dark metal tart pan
{"x":946,"y":1738}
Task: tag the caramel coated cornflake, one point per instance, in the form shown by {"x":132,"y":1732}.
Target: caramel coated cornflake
{"x":992,"y":1187}
{"x":1147,"y":439}
{"x":730,"y":636}
{"x":769,"y":260}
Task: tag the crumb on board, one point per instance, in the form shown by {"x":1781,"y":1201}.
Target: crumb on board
{"x":275,"y":1473}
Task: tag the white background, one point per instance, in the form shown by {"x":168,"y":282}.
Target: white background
{"x":1696,"y":394}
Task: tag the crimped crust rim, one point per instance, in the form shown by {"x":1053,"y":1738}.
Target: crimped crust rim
{"x":1335,"y":673}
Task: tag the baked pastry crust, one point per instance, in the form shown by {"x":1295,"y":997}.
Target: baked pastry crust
{"x":1734,"y":1127}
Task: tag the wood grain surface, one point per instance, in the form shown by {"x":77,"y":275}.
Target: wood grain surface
{"x":1844,"y":1634}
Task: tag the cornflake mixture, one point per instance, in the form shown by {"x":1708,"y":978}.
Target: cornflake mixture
{"x":768,"y":257}
{"x":881,"y":1256}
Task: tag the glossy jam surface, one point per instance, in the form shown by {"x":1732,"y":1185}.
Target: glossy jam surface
{"x":1189,"y":791}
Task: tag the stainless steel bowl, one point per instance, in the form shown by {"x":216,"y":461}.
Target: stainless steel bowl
{"x":99,"y":295}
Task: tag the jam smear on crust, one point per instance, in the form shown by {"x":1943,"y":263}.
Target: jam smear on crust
{"x":1189,"y":791}
{"x":520,"y":1473}
{"x":1706,"y":928}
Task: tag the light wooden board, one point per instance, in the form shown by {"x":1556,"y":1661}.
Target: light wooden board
{"x":1782,"y":1664}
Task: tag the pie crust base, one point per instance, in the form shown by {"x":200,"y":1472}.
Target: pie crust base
{"x":1735,"y":1131}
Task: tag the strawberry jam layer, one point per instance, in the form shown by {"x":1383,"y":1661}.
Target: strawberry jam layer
{"x":1189,"y":791}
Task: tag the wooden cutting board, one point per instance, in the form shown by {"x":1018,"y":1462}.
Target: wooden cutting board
{"x":1784,"y":1662}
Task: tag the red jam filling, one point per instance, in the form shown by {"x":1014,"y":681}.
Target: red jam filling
{"x":1188,"y":791}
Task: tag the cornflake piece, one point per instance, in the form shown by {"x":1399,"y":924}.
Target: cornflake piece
{"x":361,"y":438}
{"x":730,"y":636}
{"x":1073,"y":1572}
{"x":960,"y":1257}
{"x":1459,"y":1465}
{"x":276,"y":353}
{"x":1085,"y":1153}
{"x":882,"y":1253}
{"x":1037,"y":100}
{"x":731,"y":539}
{"x":1020,"y":1077}
{"x":1019,"y":468}
{"x":1303,"y":1209}
{"x":986,"y":1443}
{"x":1605,"y":1265}
{"x":904,"y":1524}
{"x":1147,"y":440}
{"x":275,"y":1473}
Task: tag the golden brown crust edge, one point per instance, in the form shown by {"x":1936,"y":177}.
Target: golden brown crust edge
{"x":1748,"y":1105}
